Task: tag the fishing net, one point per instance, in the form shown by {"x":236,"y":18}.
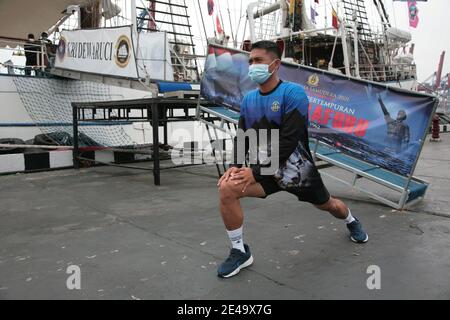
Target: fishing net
{"x":48,"y":102}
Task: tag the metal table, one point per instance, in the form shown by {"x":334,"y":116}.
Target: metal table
{"x":157,"y":111}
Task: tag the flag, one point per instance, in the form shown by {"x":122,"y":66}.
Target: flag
{"x":314,"y":14}
{"x":335,"y":19}
{"x":413,"y":13}
{"x":210,"y":7}
{"x":219,"y":25}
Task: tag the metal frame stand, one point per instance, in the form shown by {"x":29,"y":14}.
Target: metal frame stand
{"x":157,"y":111}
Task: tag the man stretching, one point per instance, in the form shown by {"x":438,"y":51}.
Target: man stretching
{"x":283,"y":106}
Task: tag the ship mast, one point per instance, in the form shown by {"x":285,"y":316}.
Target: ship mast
{"x":171,"y":17}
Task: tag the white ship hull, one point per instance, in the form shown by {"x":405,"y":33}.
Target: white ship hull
{"x":404,"y":84}
{"x":23,"y":98}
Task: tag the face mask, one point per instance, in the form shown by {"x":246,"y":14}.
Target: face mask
{"x":259,"y":73}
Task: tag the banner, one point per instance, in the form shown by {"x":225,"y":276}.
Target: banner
{"x":153,"y":56}
{"x":379,"y":125}
{"x":107,"y":51}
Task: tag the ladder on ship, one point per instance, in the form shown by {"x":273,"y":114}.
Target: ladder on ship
{"x":366,"y":41}
{"x":172,"y":17}
{"x":266,"y":26}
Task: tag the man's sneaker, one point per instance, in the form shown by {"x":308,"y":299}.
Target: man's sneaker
{"x":357,"y":233}
{"x":235,"y":263}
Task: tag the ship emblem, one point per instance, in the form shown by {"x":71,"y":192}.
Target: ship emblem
{"x":61,"y":50}
{"x":314,"y":80}
{"x":123,"y":51}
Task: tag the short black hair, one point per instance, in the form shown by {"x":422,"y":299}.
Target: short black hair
{"x":30,"y":36}
{"x":269,"y":46}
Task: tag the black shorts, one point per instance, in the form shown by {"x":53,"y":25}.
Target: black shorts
{"x":316,"y":194}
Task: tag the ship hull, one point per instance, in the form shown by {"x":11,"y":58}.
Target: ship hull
{"x":31,"y":105}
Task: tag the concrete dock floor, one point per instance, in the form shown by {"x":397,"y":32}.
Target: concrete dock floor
{"x":133,"y":240}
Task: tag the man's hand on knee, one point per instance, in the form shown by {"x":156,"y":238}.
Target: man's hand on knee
{"x":227,"y":175}
{"x":244,"y":177}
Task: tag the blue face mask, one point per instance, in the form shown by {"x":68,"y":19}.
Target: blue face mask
{"x":259,"y":73}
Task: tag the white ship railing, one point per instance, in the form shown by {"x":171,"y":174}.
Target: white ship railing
{"x":388,"y":72}
{"x":17,"y":45}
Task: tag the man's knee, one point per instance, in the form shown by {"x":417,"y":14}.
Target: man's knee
{"x":228,"y":191}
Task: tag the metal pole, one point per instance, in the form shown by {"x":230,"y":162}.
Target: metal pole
{"x":165,"y":56}
{"x":268,"y":10}
{"x":221,"y":18}
{"x":134,"y":16}
{"x":251,"y":20}
{"x":345,"y":48}
{"x":28,"y":146}
{"x":439,"y":72}
{"x":303,"y":50}
{"x":231,"y":26}
{"x":203,"y":21}
{"x":330,"y":64}
{"x":166,"y":129}
{"x":76,"y":163}
{"x":42,"y":66}
{"x":285,"y":29}
{"x":155,"y":127}
{"x":355,"y":44}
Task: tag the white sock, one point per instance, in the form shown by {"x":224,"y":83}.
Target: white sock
{"x":350,"y":218}
{"x":237,"y":239}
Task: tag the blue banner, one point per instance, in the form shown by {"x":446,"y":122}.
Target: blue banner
{"x":379,"y":125}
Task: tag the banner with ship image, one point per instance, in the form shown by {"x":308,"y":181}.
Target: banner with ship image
{"x":106,"y":51}
{"x":380,"y":125}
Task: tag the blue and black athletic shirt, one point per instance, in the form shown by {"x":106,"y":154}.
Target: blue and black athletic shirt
{"x":284,"y":108}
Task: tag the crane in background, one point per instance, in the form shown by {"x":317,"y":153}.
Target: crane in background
{"x":439,"y":85}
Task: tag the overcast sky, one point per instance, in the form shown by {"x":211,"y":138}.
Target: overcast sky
{"x":431,"y":37}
